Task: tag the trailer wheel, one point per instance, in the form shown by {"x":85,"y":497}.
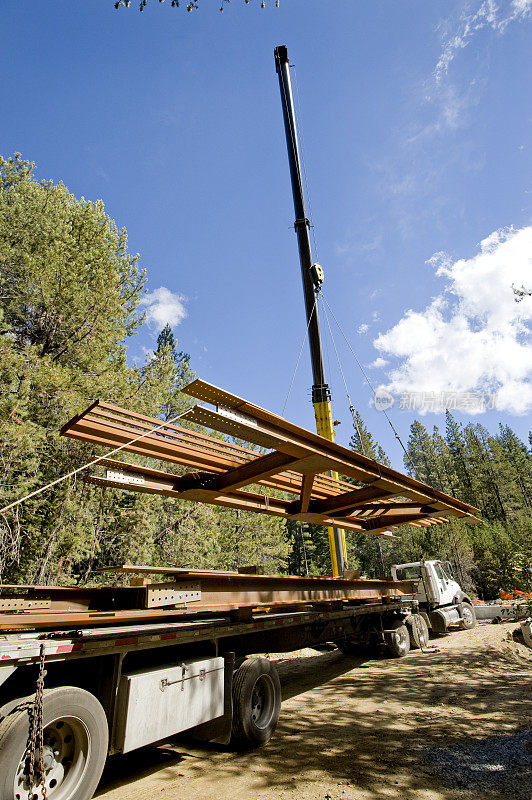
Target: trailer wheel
{"x":74,"y":753}
{"x":256,"y":702}
{"x":397,"y":640}
{"x":419,"y":632}
{"x":469,"y":618}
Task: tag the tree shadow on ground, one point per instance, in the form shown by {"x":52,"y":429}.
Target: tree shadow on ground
{"x":372,"y":726}
{"x":122,"y":769}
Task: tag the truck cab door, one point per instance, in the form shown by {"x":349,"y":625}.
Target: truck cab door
{"x":446,"y":586}
{"x":431,"y":583}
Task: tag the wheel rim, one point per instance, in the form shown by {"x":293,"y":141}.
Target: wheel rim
{"x":66,"y":753}
{"x":401,"y":636}
{"x":423,"y":635}
{"x":263,"y":701}
{"x":467,"y":615}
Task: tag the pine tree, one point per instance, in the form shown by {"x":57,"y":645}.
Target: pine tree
{"x":520,"y":459}
{"x":455,"y":441}
{"x":363,"y":442}
{"x":423,"y":456}
{"x":484,"y":479}
{"x":166,"y":340}
{"x":446,"y":471}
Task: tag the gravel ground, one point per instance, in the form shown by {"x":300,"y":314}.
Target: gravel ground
{"x":454,"y":723}
{"x":500,"y":764}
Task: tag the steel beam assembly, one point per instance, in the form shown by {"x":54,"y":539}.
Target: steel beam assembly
{"x":298,"y":465}
{"x":183,"y":594}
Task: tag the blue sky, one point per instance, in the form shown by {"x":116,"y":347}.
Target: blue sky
{"x":415,"y":118}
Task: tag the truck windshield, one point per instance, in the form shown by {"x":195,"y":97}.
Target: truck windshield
{"x":408,"y":573}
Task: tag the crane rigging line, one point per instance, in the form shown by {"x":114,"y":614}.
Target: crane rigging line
{"x":293,"y":133}
{"x":351,"y":406}
{"x":299,"y":356}
{"x":392,"y":426}
{"x":90,"y":463}
{"x":297,"y":115}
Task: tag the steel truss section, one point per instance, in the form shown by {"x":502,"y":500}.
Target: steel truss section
{"x":369,"y":497}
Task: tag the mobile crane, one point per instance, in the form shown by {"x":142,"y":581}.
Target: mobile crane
{"x":312,"y":277}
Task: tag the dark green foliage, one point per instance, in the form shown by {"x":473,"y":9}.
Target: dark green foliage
{"x":69,"y":298}
{"x":309,"y":549}
{"x":493,"y":473}
{"x":363,"y":442}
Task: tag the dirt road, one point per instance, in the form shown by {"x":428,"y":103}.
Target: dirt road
{"x":443,"y":725}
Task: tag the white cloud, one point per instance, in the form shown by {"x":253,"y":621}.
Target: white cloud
{"x":487,"y":15}
{"x":364,"y":328}
{"x":379,"y":363}
{"x":473,"y":337}
{"x":163,"y":307}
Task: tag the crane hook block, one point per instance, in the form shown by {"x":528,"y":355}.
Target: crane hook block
{"x":317,"y":275}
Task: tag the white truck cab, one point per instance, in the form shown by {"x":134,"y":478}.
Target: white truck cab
{"x":441,"y":599}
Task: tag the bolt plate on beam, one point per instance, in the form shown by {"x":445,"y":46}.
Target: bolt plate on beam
{"x":22,"y":604}
{"x":172,"y":594}
{"x":121,"y":476}
{"x":236,"y":416}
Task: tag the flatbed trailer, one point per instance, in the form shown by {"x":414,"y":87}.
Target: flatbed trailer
{"x":127,"y":666}
{"x":111,"y":688}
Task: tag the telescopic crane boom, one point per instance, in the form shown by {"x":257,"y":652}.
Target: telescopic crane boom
{"x":310,"y":273}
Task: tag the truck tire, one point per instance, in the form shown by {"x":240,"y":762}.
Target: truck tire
{"x":256,"y":702}
{"x":397,"y":640}
{"x":438,"y":620}
{"x":419,"y":632}
{"x":75,"y":747}
{"x":469,"y":618}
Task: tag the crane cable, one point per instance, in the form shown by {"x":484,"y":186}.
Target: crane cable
{"x":392,"y":426}
{"x":299,"y":356}
{"x":415,"y":618}
{"x":297,"y":107}
{"x":90,"y":463}
{"x":351,"y":406}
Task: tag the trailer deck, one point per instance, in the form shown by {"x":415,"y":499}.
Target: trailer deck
{"x":17,"y":649}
